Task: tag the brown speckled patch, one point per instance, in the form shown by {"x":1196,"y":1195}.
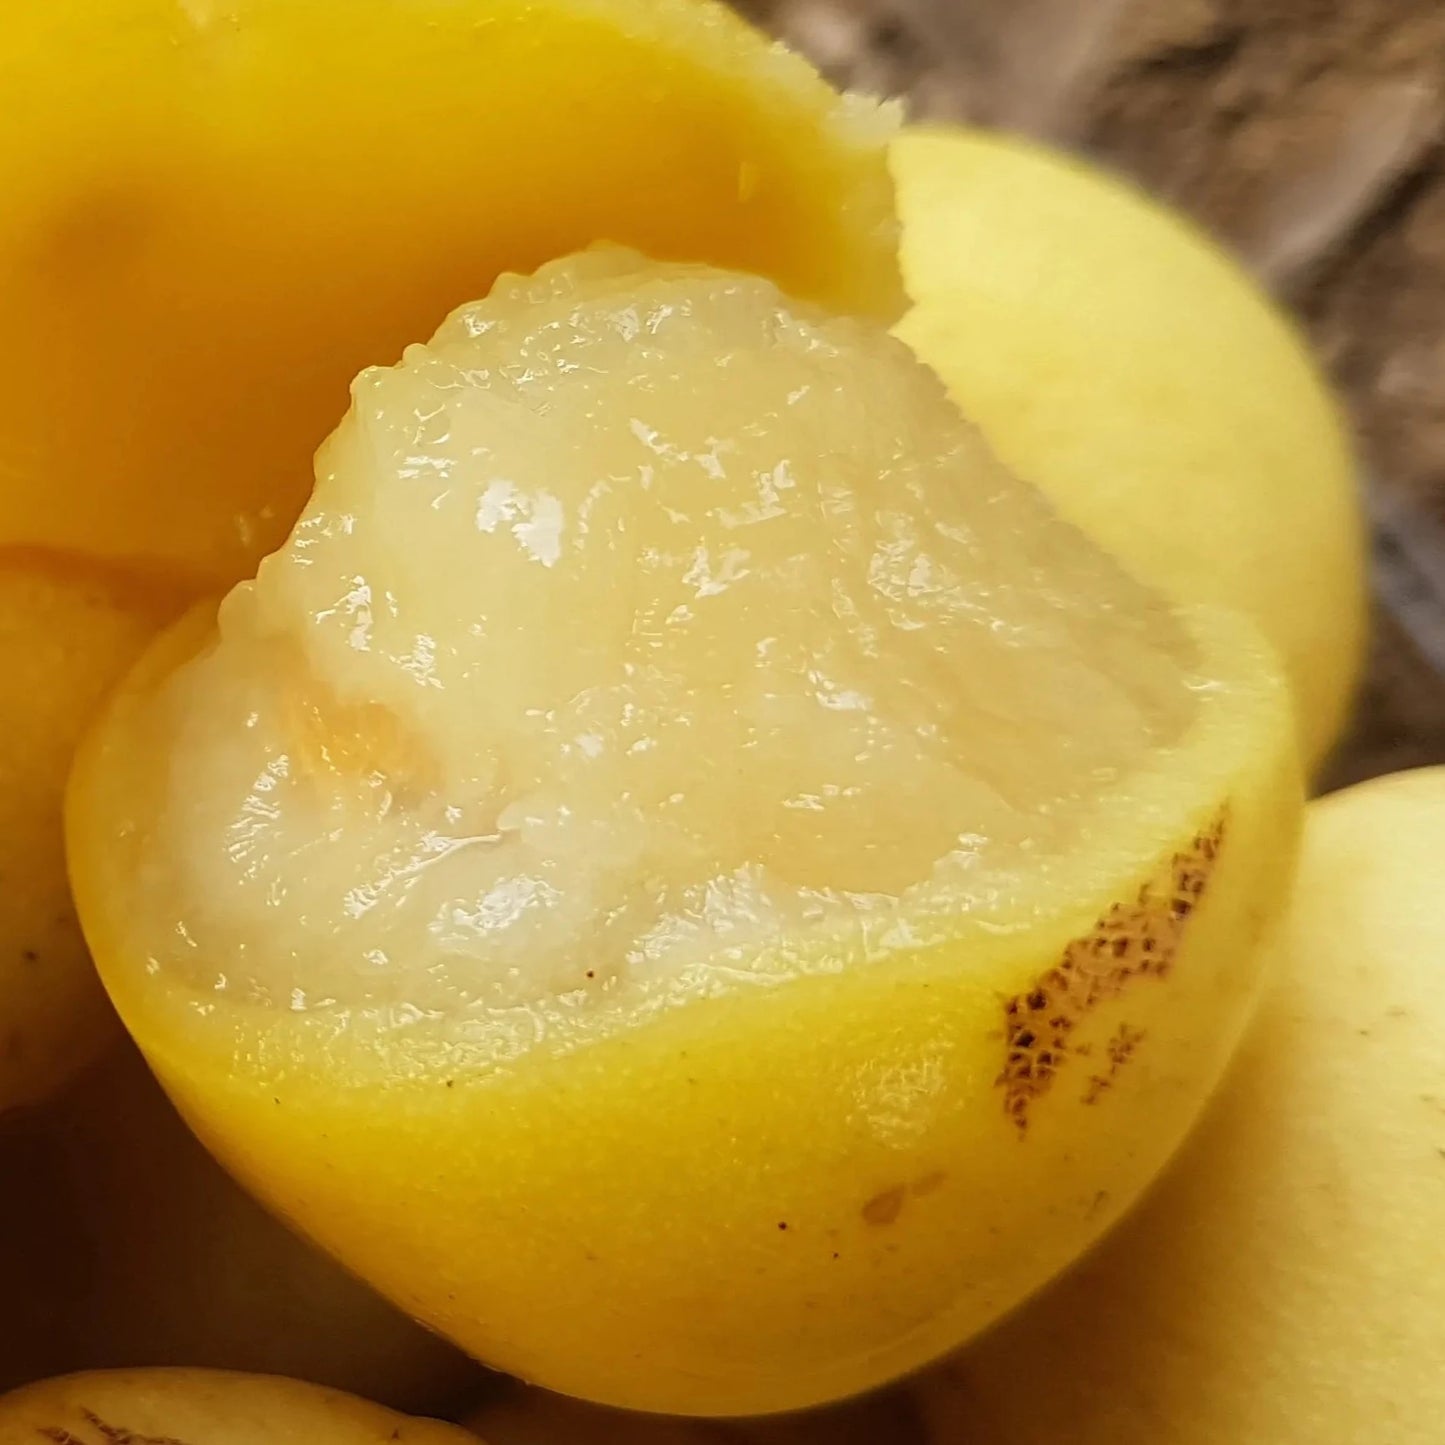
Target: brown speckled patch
{"x":114,"y":1434}
{"x":1133,"y":941}
{"x":1120,"y":1050}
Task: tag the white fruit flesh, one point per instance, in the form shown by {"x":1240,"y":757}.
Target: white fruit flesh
{"x":641,"y":623}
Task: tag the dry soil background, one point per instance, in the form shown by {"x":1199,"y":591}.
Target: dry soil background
{"x":1310,"y":134}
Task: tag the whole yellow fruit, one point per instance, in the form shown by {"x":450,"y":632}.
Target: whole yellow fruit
{"x":683,"y":872}
{"x":164,"y":1407}
{"x":1286,"y":1281}
{"x":1125,"y":365}
{"x":123,"y":1243}
{"x":68,"y":632}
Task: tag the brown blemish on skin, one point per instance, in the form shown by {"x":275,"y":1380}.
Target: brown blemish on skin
{"x":927,"y":1183}
{"x":884,"y":1208}
{"x":115,"y":1434}
{"x":99,"y":235}
{"x":1133,"y":941}
{"x":1121,"y":1049}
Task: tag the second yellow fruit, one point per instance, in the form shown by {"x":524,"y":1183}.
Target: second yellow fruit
{"x":1122,"y":363}
{"x":1287,"y":1280}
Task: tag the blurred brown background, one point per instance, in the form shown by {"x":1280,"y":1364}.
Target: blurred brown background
{"x":1310,"y":135}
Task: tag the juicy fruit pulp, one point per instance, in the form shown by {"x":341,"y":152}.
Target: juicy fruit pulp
{"x":1128,"y":368}
{"x":614,"y":522}
{"x":321,"y":181}
{"x":668,"y":724}
{"x":67,"y":633}
{"x":1284,"y":1282}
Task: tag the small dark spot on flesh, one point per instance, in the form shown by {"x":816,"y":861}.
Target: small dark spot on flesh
{"x":451,"y":1083}
{"x":30,"y":955}
{"x":884,"y":1207}
{"x":927,"y":1183}
{"x":783,"y":1224}
{"x":591,"y":973}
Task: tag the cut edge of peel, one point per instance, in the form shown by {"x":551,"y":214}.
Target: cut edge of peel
{"x":859,"y":127}
{"x":856,"y":119}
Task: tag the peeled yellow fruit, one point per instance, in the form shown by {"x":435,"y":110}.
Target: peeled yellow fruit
{"x":217,"y":212}
{"x":682,"y":871}
{"x":166,"y":1407}
{"x":1286,"y":1281}
{"x":533,"y":1417}
{"x":123,"y":1243}
{"x":1119,"y":361}
{"x":66,"y":634}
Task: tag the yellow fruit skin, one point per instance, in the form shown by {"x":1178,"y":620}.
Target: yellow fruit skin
{"x":1286,"y":1281}
{"x":193,"y":269}
{"x":1119,"y":361}
{"x":122,"y":1242}
{"x":147,"y":1407}
{"x":67,"y":633}
{"x":757,"y":1201}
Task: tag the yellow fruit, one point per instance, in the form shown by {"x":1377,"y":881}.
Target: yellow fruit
{"x":66,"y":634}
{"x":1285,"y":1282}
{"x":165,"y":1407}
{"x":533,"y":1417}
{"x":1115,"y":358}
{"x":315,"y":182}
{"x":123,"y":1243}
{"x":195,"y":263}
{"x":682,"y":871}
